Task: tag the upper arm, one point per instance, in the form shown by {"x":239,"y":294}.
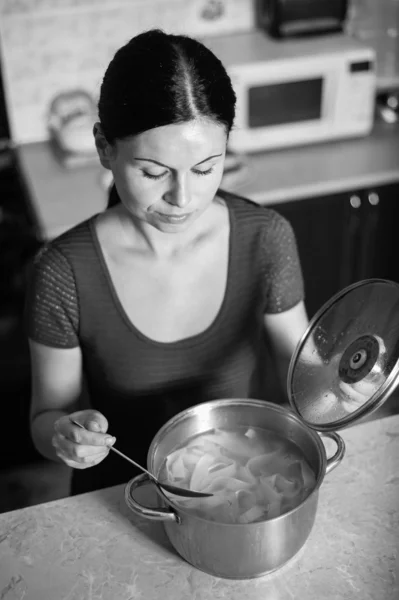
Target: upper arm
{"x":52,"y":309}
{"x":56,"y":377}
{"x":283,"y":279}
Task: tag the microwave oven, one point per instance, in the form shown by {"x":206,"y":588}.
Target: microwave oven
{"x":295,"y":92}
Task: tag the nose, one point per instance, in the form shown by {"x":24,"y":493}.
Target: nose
{"x":179,"y":193}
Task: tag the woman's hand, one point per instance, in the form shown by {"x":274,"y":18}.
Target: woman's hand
{"x":82,"y":448}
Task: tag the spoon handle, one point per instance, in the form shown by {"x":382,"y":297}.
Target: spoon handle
{"x":171,"y":488}
{"x":131,"y":461}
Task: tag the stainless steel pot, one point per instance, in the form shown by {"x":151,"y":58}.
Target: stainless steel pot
{"x":345,"y":366}
{"x":244,"y":550}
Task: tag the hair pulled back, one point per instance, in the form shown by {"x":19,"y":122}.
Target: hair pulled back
{"x":161,"y":79}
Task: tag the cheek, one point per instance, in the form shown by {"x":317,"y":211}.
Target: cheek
{"x":139,"y":198}
{"x":208,"y":183}
{"x":213,"y":184}
{"x":134,"y":190}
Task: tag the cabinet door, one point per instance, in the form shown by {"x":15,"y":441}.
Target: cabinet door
{"x":379,"y":252}
{"x":327,"y":230}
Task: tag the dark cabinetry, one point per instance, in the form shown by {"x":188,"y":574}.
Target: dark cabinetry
{"x":344,"y":238}
{"x":378,"y":256}
{"x":18,"y":244}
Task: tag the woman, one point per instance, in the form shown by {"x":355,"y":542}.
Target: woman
{"x":168,"y":298}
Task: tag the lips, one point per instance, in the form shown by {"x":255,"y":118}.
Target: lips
{"x":173,"y":218}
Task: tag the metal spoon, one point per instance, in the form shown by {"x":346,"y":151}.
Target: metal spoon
{"x":177,"y":491}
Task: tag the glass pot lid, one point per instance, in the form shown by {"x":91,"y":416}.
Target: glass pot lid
{"x":347,"y":362}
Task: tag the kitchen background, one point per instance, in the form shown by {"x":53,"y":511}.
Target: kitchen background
{"x":49,"y":46}
{"x":52,"y":56}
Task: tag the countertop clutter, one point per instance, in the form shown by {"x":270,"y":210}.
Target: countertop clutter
{"x":63,"y":197}
{"x":91,"y":546}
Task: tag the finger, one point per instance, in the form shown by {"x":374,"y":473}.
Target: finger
{"x":84,"y":465}
{"x":68,"y":430}
{"x":353,"y":399}
{"x":92,"y":420}
{"x":78,"y":452}
{"x":89,"y":461}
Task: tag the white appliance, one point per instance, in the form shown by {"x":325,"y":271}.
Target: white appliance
{"x":294,"y":92}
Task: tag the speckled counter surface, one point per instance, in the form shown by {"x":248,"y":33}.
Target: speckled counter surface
{"x":91,"y":547}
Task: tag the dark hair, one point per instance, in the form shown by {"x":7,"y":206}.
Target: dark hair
{"x":160,"y":79}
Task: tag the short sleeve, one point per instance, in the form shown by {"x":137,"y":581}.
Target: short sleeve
{"x":283,"y":280}
{"x":52,"y":311}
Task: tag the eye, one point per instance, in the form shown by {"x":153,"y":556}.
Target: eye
{"x":207,"y":172}
{"x":152,"y":176}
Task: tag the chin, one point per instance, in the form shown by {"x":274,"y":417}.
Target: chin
{"x":169,"y":228}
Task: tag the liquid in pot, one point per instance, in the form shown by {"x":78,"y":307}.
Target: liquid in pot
{"x":254,"y":474}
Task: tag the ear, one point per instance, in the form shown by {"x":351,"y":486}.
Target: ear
{"x":105,"y":150}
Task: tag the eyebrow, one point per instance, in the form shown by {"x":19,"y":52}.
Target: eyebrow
{"x":167,"y":167}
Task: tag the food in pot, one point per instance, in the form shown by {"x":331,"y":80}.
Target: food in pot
{"x":254,"y":474}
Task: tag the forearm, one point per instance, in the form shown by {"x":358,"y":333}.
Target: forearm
{"x":282,"y":364}
{"x":284,"y":331}
{"x":42,"y":431}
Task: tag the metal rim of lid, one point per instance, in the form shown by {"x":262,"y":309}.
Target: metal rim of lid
{"x":376,"y":400}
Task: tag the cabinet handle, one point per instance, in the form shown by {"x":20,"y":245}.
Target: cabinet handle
{"x":351,"y":241}
{"x":373,"y":198}
{"x":355,"y":201}
{"x":367,"y":254}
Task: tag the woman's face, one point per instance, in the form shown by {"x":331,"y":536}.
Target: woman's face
{"x":168,"y":176}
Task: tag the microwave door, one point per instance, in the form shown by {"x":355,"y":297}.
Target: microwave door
{"x":285,"y":103}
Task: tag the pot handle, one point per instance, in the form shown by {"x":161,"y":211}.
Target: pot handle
{"x":155,"y":514}
{"x":335,"y":460}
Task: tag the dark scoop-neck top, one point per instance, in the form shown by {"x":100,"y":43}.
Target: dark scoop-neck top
{"x":139,"y":383}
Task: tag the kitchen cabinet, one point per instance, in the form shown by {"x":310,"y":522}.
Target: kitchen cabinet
{"x":343,"y":238}
{"x":18,"y":244}
{"x":325,"y":230}
{"x":380,"y":233}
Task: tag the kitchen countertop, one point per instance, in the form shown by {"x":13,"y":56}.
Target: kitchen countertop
{"x":91,"y":547}
{"x":329,"y":168}
{"x":63,"y":197}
